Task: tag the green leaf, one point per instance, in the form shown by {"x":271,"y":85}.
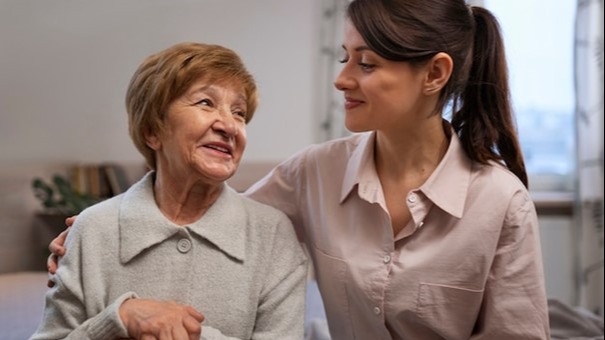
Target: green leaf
{"x":59,"y":196}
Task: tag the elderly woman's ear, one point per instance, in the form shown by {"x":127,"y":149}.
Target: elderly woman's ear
{"x":152,"y":141}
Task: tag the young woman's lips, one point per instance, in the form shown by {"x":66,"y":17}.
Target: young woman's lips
{"x":352,"y":103}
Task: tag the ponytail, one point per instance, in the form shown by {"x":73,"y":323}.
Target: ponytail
{"x":485,"y":122}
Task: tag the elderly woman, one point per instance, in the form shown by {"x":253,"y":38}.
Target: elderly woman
{"x":180,"y":253}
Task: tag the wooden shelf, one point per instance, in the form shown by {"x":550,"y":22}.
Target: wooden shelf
{"x":554,"y":203}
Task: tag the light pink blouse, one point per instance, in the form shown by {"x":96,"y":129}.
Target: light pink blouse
{"x":469,"y":265}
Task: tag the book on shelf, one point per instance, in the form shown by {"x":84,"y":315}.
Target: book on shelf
{"x":116,"y":178}
{"x":99,"y":180}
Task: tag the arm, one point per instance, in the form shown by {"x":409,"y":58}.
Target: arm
{"x":127,"y":316}
{"x":280,"y":312}
{"x":68,"y":308}
{"x":65,"y":314}
{"x":515,"y":305}
{"x":281,"y":189}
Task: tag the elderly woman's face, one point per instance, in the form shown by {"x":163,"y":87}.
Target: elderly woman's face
{"x":205,"y":131}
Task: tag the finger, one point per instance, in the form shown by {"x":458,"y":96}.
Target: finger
{"x":51,"y":266}
{"x":51,"y":263}
{"x":165,"y":334}
{"x":195,"y":314}
{"x":192,"y":326}
{"x":70,"y":220}
{"x":56,"y":246}
{"x":193,"y":336}
{"x":179,"y":333}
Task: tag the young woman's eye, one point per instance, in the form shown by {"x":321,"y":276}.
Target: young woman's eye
{"x":343,"y":57}
{"x":366,"y":66}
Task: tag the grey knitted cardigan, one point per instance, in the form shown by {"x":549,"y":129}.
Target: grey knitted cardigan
{"x":241,"y":265}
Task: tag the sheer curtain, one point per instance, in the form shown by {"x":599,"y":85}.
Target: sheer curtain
{"x":589,"y":141}
{"x":330,"y":101}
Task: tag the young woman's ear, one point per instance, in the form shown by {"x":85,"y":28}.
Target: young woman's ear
{"x":439,"y":71}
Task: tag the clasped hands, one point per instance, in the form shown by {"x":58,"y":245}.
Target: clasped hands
{"x":160,"y":320}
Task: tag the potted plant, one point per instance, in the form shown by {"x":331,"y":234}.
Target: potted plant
{"x":59,"y":200}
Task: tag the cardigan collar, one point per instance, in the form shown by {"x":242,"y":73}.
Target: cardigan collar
{"x":142,"y":225}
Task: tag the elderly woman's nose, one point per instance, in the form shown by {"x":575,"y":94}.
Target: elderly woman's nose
{"x":226,"y":123}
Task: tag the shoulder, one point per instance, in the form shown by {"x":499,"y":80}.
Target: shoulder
{"x":269,"y":225}
{"x":261,"y":213}
{"x":339,"y":148}
{"x":317,"y":160}
{"x":496,"y":178}
{"x":336,"y":147}
{"x":501,"y":185}
{"x":104,"y":213}
{"x":101,"y":209}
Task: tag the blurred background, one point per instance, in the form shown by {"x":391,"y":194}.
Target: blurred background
{"x":65,"y":66}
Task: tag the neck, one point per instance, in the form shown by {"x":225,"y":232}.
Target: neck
{"x":411,"y":157}
{"x":184,"y":201}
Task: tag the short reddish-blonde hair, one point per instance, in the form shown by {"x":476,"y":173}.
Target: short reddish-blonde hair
{"x":167,"y":75}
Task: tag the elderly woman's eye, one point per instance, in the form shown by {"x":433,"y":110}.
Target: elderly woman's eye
{"x":240,"y":114}
{"x":205,"y":102}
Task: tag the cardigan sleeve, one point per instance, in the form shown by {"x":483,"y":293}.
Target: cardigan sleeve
{"x":280,"y":312}
{"x":65,"y":314}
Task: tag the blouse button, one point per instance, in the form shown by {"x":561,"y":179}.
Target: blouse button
{"x":412,"y":198}
{"x":183,"y":245}
{"x":386,"y":259}
{"x":377,"y":310}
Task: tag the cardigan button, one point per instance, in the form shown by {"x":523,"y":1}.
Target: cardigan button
{"x":183,"y":245}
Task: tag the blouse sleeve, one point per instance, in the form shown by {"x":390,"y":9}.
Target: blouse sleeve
{"x":515,"y":304}
{"x":282,"y":188}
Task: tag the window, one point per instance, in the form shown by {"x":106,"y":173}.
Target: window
{"x":539,"y":41}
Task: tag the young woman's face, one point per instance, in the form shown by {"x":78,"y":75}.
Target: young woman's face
{"x":379,"y":94}
{"x":205,"y":131}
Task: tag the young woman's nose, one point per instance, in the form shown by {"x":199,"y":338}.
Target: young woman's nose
{"x":343,"y":80}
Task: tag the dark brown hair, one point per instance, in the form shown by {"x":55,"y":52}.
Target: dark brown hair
{"x":414,"y":31}
{"x":165,"y":76}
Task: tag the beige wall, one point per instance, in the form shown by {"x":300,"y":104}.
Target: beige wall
{"x":65,"y":65}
